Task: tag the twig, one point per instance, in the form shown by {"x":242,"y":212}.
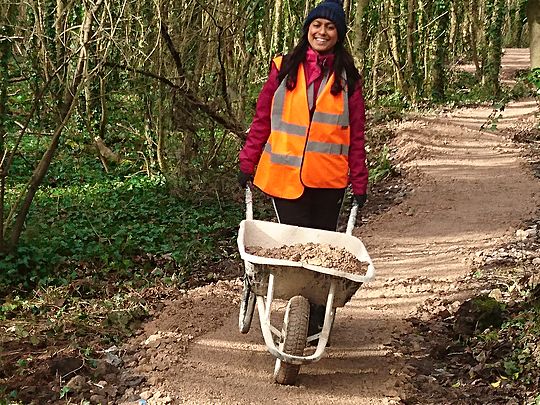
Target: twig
{"x":72,"y":371}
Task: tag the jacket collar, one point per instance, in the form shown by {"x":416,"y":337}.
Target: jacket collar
{"x":323,"y":61}
{"x":315,"y":63}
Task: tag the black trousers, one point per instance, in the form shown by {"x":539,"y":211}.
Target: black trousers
{"x":317,"y":208}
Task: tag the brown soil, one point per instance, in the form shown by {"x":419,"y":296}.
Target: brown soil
{"x":323,"y":255}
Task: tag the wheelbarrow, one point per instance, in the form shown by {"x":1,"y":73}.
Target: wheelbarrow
{"x":299,"y":283}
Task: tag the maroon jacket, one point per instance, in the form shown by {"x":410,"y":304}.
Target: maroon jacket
{"x":260,"y":127}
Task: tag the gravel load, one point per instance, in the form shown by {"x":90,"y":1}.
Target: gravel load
{"x":316,"y":254}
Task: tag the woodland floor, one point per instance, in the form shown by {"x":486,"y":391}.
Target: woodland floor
{"x":462,"y":191}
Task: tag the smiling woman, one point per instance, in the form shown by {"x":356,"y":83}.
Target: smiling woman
{"x":306,"y":142}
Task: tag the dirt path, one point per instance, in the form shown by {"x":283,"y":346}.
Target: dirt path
{"x":471,"y":190}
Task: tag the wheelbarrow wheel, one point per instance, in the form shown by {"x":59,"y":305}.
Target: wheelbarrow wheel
{"x":247,"y":305}
{"x":293,"y":339}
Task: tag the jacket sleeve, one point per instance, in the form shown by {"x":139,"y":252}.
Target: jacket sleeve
{"x":259,"y":131}
{"x":358,"y":171}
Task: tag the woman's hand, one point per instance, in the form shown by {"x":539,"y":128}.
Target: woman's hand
{"x":244,"y":179}
{"x":360,"y":199}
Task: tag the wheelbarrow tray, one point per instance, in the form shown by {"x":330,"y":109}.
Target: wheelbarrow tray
{"x":299,"y":278}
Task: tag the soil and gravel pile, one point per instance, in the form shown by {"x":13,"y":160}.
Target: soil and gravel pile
{"x":316,"y":254}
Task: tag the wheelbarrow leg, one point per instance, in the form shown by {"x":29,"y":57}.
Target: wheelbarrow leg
{"x":321,"y":339}
{"x":316,"y":322}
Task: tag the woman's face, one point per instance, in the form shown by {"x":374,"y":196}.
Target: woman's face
{"x":322,"y":35}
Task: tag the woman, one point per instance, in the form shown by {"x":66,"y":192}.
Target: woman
{"x":306,"y":140}
{"x":307,"y":148}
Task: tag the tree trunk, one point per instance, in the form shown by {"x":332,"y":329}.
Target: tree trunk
{"x":307,"y":8}
{"x":374,"y":69}
{"x":7,"y":12}
{"x":521,"y":17}
{"x":65,"y":113}
{"x":274,"y":44}
{"x":473,"y":32}
{"x":452,"y":36}
{"x":489,"y":6}
{"x":103,"y":104}
{"x":392,"y":42}
{"x":422,"y":47}
{"x":346,"y":9}
{"x":410,"y":76}
{"x":494,"y":54}
{"x":287,"y":33}
{"x":359,"y":34}
{"x":441,"y":43}
{"x":533,"y":20}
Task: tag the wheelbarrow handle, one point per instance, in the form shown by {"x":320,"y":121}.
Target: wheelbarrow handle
{"x":350,"y":223}
{"x":352,"y":217}
{"x":249,"y":203}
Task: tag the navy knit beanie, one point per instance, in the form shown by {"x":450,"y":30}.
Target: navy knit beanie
{"x":330,"y":10}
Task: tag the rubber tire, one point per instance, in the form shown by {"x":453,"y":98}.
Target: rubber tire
{"x":293,"y":341}
{"x":247,"y":306}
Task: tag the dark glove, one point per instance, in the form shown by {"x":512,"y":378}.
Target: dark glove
{"x":360,"y":199}
{"x":244,"y":178}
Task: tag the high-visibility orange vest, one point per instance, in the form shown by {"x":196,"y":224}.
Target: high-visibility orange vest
{"x":301,"y":151}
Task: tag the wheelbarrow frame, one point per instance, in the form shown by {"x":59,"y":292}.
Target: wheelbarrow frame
{"x":268,"y":279}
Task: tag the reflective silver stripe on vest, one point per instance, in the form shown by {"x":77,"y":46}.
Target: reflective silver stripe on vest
{"x":335,"y":119}
{"x":327,"y":148}
{"x":277,"y":123}
{"x":310,"y":95}
{"x":280,"y":159}
{"x":324,"y":80}
{"x":311,"y":89}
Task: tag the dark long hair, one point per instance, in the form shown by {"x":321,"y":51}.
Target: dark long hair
{"x":343,"y":61}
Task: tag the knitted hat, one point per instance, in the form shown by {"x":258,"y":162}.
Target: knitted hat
{"x":330,"y":10}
